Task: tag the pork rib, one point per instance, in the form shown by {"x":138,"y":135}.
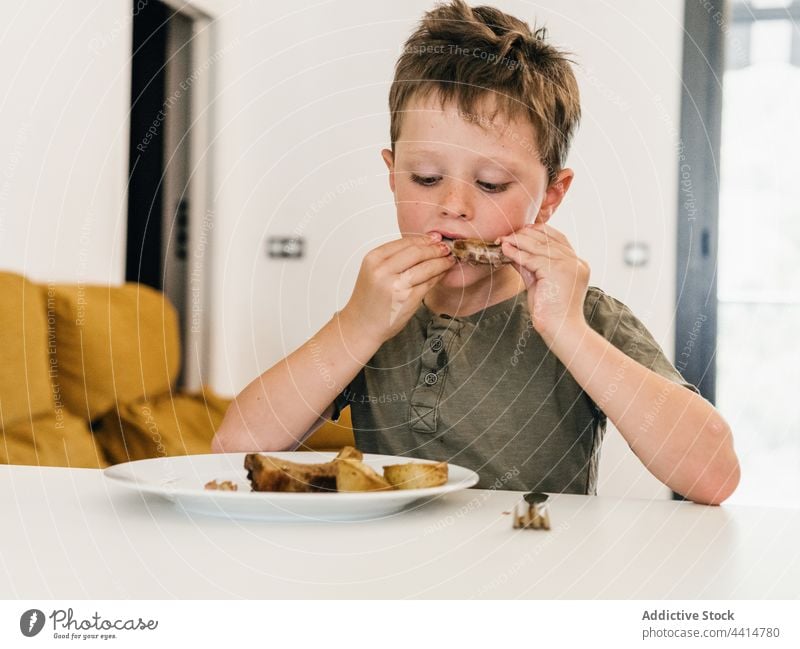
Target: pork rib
{"x":476,"y":251}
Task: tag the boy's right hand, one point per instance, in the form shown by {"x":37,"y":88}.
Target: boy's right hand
{"x":393,"y":280}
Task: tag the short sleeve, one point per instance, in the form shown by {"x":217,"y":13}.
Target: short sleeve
{"x":342,"y":399}
{"x":341,"y":402}
{"x":616,"y":323}
{"x":347,"y":396}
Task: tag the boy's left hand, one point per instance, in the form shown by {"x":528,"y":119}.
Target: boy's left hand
{"x":556,"y":278}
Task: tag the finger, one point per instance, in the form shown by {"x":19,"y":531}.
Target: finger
{"x":412,"y":255}
{"x":534,"y":262}
{"x":537,"y":241}
{"x":389,"y":249}
{"x":426,"y":270}
{"x":551,"y":232}
{"x":539,"y":232}
{"x":539,"y":247}
{"x":420,"y":290}
{"x":527,"y":276}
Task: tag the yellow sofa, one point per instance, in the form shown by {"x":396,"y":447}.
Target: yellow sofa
{"x":88,"y":376}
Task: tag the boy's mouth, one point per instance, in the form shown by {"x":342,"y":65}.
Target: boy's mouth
{"x":474,"y":251}
{"x":448,"y":235}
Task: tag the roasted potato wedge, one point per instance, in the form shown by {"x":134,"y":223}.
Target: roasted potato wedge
{"x":353,"y":475}
{"x":416,"y":475}
{"x":349,"y":453}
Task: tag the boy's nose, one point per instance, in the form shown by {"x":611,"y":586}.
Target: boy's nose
{"x":455,"y":201}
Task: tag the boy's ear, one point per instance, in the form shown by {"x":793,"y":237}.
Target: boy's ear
{"x":388,"y":158}
{"x":555,"y":193}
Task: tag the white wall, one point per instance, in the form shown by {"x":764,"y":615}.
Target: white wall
{"x":64,"y":98}
{"x":300,"y":116}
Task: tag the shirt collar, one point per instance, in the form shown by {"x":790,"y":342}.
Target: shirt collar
{"x":501,"y":308}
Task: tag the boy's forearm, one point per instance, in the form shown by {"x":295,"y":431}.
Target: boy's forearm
{"x":679,"y":436}
{"x":274,"y":411}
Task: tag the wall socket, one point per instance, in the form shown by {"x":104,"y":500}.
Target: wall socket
{"x":285,"y":247}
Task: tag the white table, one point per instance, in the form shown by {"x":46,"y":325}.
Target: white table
{"x":70,"y":533}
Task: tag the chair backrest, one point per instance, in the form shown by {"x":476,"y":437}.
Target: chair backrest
{"x":26,"y":334}
{"x":331,"y":436}
{"x":113,"y":344}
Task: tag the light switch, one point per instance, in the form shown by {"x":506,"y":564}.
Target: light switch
{"x":285,"y":247}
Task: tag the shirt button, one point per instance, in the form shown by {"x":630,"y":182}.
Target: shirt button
{"x":431,"y":378}
{"x":437,"y":343}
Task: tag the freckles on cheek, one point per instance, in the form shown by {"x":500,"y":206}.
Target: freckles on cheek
{"x":519,"y":213}
{"x":411,"y":209}
{"x":411,"y":216}
{"x":509,"y":217}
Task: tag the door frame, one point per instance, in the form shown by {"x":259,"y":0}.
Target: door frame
{"x":705,"y":25}
{"x":196,"y":334}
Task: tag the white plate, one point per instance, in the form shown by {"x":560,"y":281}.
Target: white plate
{"x":181,"y":480}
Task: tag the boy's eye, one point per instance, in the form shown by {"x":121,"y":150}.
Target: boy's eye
{"x":494,"y":188}
{"x":427,"y":181}
{"x":430,"y":181}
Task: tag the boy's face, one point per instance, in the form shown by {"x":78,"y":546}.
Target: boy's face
{"x":464,"y":176}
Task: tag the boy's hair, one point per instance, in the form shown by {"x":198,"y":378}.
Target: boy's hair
{"x":465,"y":54}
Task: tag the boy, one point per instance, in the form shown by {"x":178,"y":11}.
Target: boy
{"x":511,"y":370}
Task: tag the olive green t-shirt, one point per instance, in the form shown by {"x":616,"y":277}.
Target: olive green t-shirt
{"x":483,"y":391}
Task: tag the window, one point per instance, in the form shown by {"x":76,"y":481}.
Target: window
{"x":758,"y":283}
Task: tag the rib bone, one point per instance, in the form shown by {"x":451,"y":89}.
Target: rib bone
{"x":476,"y":251}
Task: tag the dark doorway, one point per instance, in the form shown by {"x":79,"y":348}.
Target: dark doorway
{"x":146,"y":160}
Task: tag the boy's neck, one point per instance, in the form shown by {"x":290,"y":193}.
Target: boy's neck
{"x":501,"y":285}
